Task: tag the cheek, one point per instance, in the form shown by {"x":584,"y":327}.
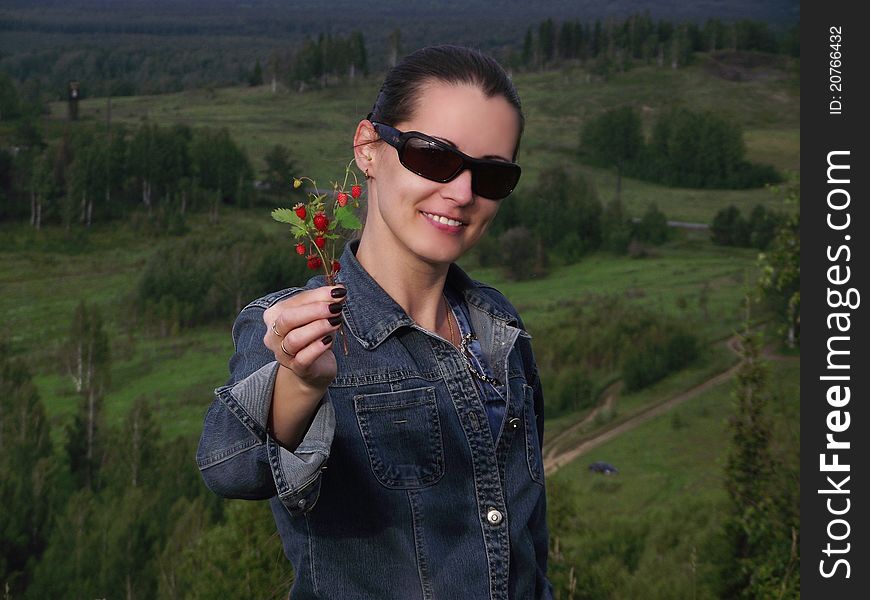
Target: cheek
{"x":488,"y":213}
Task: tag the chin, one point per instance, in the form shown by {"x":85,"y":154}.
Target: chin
{"x":437,"y":252}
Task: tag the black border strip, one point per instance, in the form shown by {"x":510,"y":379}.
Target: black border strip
{"x":827,"y":127}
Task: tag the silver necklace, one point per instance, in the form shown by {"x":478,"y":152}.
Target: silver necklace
{"x":464,"y":351}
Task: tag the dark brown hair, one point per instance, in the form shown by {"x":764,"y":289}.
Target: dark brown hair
{"x":398,"y":96}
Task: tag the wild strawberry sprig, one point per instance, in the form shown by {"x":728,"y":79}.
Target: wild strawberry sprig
{"x":318,"y":223}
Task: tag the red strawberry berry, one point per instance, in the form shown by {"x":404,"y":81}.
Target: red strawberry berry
{"x":314,"y":262}
{"x":321,"y":222}
{"x":320,"y":241}
{"x":356,"y":191}
{"x":300,"y":211}
{"x":336,"y":267}
{"x":342,"y":199}
{"x":300,"y":249}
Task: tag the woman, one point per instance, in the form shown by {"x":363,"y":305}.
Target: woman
{"x":431,"y":423}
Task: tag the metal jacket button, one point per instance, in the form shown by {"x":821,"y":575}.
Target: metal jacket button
{"x":494,"y":517}
{"x":514,"y":423}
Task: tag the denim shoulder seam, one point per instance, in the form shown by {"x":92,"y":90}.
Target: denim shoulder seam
{"x":270,"y":300}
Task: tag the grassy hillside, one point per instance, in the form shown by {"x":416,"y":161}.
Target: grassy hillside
{"x":318,"y":125}
{"x":43,"y":282}
{"x":651,"y":530}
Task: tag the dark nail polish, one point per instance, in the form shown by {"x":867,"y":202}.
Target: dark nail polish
{"x":335,"y":308}
{"x":334,"y":320}
{"x":338,"y":292}
{"x":326,"y":340}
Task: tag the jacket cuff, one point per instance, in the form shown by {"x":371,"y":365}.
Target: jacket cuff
{"x":297,"y":473}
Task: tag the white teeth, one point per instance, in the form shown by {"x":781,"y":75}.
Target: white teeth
{"x":441,"y":219}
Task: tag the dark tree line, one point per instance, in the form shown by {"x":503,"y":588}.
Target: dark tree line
{"x":686,"y":149}
{"x":318,"y":62}
{"x":134,"y":69}
{"x":613,"y":45}
{"x":135,"y":57}
{"x":730,"y":228}
{"x":93,"y":175}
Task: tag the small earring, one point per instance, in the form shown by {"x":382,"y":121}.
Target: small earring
{"x":366,"y":174}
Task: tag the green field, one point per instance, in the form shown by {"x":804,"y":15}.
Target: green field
{"x":43,"y":284}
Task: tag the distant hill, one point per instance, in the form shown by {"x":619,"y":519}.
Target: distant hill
{"x":480,"y":22}
{"x":128,"y":47}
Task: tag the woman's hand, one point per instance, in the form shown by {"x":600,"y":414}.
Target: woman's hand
{"x":300,"y":332}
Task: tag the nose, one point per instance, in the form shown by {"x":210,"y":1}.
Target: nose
{"x":459,"y":188}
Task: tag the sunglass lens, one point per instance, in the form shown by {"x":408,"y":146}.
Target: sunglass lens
{"x":430,"y":160}
{"x":495,"y":181}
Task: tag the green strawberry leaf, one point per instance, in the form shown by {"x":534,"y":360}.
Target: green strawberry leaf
{"x":345,"y":217}
{"x":286,"y":215}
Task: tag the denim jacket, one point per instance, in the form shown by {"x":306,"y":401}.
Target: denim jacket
{"x":398,"y":488}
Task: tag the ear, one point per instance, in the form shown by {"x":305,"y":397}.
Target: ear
{"x":363,"y":141}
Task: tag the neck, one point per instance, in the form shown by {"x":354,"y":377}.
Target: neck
{"x":417,"y":286}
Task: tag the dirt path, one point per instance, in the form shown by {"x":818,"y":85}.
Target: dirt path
{"x":551,"y":449}
{"x":553,"y":459}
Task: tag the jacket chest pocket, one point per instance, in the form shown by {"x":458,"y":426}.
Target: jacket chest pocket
{"x":402,"y":435}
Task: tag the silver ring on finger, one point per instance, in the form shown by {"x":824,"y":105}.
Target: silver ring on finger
{"x":275,"y":329}
{"x":284,"y":350}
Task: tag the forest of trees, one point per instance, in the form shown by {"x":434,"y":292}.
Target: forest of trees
{"x":133,"y":65}
{"x":686,"y":149}
{"x":613,"y":46}
{"x":93,"y":175}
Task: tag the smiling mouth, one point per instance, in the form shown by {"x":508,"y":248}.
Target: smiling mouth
{"x":442,"y":220}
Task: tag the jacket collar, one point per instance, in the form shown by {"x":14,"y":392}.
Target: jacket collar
{"x":372,"y":315}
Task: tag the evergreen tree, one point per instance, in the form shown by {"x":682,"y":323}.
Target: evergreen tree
{"x":26,"y":474}
{"x":88,"y":365}
{"x":358,"y":55}
{"x":575,"y":200}
{"x":729,"y":228}
{"x":42,"y":188}
{"x":546,"y":42}
{"x":760,"y":532}
{"x":653,"y":226}
{"x":256,"y":78}
{"x":219,"y":167}
{"x":565,"y":41}
{"x":243,"y":554}
{"x":614,"y":138}
{"x":279,"y":169}
{"x":143,"y":160}
{"x":528,"y":49}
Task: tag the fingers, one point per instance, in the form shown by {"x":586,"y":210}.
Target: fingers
{"x":303,"y":308}
{"x":296,"y":343}
{"x":295,"y":327}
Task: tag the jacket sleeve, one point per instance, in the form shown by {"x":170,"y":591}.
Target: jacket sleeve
{"x":237,"y":456}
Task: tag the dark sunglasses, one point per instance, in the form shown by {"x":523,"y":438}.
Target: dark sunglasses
{"x":437,"y":161}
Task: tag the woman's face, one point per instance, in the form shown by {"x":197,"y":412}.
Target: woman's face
{"x":404,"y":208}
